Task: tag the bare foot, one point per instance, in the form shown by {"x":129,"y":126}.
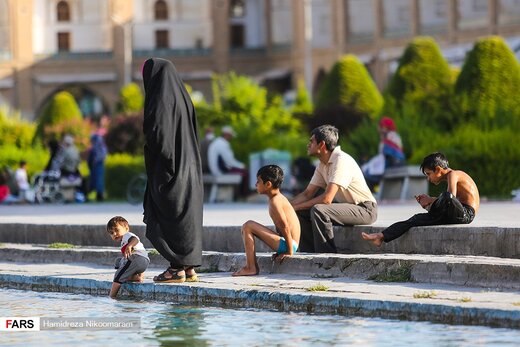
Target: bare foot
{"x":190,"y":271}
{"x":138,"y":278}
{"x":246,"y":271}
{"x":376,"y":239}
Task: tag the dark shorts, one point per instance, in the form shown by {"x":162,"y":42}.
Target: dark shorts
{"x":126,"y":268}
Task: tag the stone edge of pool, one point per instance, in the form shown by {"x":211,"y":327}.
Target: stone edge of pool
{"x":315,"y":302}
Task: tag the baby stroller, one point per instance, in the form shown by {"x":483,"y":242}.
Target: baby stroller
{"x":47,"y":187}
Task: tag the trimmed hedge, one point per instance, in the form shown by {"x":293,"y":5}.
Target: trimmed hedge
{"x":14,"y":130}
{"x":349,"y":84}
{"x":489,"y":80}
{"x":119,"y":170}
{"x":61,"y":115}
{"x":131,"y":99}
{"x":125,"y":135}
{"x":425,"y":80}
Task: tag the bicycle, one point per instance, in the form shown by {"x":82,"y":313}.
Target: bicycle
{"x":135,"y":189}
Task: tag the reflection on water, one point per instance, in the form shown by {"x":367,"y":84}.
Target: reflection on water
{"x":171,"y":324}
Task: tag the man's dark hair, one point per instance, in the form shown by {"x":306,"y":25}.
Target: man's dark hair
{"x":114,"y":222}
{"x":433,"y":160}
{"x":328,"y":134}
{"x":271,"y":173}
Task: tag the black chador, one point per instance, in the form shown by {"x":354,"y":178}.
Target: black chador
{"x":174,"y":193}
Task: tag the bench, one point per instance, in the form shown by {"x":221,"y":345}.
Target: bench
{"x":68,"y":187}
{"x":402,"y":183}
{"x":222,"y":187}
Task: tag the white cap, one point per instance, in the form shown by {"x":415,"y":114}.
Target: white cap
{"x":228,"y":130}
{"x":68,"y":140}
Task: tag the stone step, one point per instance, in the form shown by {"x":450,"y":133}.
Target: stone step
{"x":473,"y":271}
{"x":284,"y":292}
{"x":437,"y":240}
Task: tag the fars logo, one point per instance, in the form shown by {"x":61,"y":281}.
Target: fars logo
{"x":19,"y":323}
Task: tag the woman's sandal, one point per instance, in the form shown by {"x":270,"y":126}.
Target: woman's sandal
{"x":176,"y":278}
{"x":191,"y":278}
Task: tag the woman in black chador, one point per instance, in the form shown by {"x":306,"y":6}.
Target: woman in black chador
{"x":174,"y":193}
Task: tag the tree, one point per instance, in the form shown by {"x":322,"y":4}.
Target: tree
{"x":489,"y":80}
{"x":62,"y":115}
{"x":423,"y":79}
{"x":131,"y":100}
{"x":260,"y":121}
{"x":347,"y":95}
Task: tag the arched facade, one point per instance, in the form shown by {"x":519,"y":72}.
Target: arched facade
{"x":90,"y":99}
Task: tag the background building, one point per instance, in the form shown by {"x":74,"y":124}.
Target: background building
{"x":93,"y":47}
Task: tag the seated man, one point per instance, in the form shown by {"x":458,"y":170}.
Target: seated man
{"x":209,"y":136}
{"x":222,"y":161}
{"x":346,"y":200}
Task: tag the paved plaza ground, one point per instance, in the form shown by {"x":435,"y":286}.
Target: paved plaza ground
{"x":491,"y":214}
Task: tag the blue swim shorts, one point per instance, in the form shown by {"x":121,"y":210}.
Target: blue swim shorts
{"x":282,"y":248}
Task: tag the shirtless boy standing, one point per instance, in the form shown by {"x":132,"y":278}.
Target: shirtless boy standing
{"x":457,"y":205}
{"x":287,"y":236}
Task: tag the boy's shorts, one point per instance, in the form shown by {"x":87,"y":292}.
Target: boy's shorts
{"x":128,"y":267}
{"x":282,"y":248}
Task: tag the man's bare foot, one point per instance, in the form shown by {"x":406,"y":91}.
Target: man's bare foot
{"x":376,"y":239}
{"x":246,"y":271}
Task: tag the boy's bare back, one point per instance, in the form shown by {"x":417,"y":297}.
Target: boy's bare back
{"x":282,"y":213}
{"x":464,"y":188}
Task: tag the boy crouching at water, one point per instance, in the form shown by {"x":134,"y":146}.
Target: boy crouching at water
{"x":135,"y":259}
{"x":457,"y":205}
{"x":268,"y":182}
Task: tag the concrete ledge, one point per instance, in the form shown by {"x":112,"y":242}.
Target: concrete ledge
{"x":268,"y":296}
{"x":487,"y":272}
{"x":442,"y":240}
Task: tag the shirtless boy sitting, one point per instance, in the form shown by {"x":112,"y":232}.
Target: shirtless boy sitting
{"x":457,"y":205}
{"x":287,"y":236}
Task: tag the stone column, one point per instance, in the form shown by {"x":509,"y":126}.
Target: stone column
{"x":268,"y":26}
{"x":453,"y":19}
{"x":415,"y":17}
{"x":221,"y":35}
{"x":121,"y":15}
{"x":493,"y":8}
{"x":379,"y":64}
{"x":298,"y":45}
{"x":22,"y":55}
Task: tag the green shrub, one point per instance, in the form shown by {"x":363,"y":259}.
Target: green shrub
{"x":424,"y":80}
{"x":260,"y":121}
{"x":349,"y":85}
{"x":131,"y":99}
{"x":14,"y":130}
{"x":119,"y":170}
{"x":489,"y":80}
{"x":36,"y":158}
{"x":60,"y":115}
{"x":125,"y":135}
{"x":362,"y":143}
{"x":483,"y":154}
{"x":303,"y":103}
{"x":347,"y":96}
